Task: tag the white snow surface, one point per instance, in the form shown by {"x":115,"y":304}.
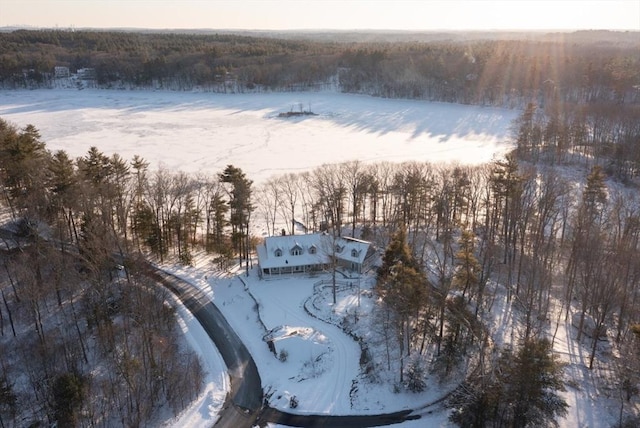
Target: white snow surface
{"x":322,"y":362}
{"x":204,"y":132}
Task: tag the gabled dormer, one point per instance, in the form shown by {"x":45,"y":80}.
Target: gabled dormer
{"x":296,"y":250}
{"x":278,"y":252}
{"x":313,"y":249}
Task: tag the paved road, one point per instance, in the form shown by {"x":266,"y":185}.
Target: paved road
{"x":244,"y":402}
{"x":243,"y":406}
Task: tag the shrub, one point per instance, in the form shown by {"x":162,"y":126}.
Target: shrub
{"x":414,"y":376}
{"x":283,"y":355}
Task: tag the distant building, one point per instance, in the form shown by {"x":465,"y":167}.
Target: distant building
{"x":86,"y":73}
{"x":291,"y":254}
{"x":60,"y":72}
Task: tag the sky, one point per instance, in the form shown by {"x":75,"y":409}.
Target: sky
{"x":325,"y":14}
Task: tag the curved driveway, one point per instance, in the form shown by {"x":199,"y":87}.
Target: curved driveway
{"x":243,"y":406}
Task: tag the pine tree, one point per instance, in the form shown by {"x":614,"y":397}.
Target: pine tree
{"x":217,"y":222}
{"x":402,"y":285}
{"x":467,"y":267}
{"x":594,"y":195}
{"x":533,"y":379}
{"x":23,"y":165}
{"x":240,"y":209}
{"x":397,"y":252}
{"x":68,"y":394}
{"x":414,"y":377}
{"x":522,"y":390}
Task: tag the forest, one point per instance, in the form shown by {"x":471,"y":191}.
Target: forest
{"x":485,"y":69}
{"x":87,"y":339}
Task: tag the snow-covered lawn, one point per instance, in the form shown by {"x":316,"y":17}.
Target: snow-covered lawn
{"x":321,"y":369}
{"x":204,"y":132}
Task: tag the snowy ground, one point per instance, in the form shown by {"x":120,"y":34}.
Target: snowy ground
{"x":204,"y":410}
{"x":322,"y":367}
{"x":205,"y":132}
{"x":322,"y":362}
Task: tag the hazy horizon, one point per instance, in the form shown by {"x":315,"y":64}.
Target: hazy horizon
{"x":328,"y":15}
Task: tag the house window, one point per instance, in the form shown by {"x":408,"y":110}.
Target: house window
{"x":312,"y":249}
{"x":278,"y":252}
{"x":296,"y":252}
{"x":354,"y":253}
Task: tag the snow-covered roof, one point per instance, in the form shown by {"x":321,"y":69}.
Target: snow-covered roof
{"x":312,"y":249}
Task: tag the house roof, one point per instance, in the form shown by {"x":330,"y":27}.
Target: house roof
{"x":346,"y":249}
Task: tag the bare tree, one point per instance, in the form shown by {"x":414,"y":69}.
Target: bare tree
{"x":289,"y":189}
{"x":268,"y":203}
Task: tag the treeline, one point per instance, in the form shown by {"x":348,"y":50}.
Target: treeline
{"x":570,"y":67}
{"x":175,"y":61}
{"x":504,"y":73}
{"x":86,"y":337}
{"x":592,"y":134}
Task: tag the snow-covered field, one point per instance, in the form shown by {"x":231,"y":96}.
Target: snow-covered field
{"x":204,"y":132}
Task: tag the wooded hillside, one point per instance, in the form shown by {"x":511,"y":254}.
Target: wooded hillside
{"x":510,"y":69}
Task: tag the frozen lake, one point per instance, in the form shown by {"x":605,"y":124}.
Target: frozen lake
{"x":204,"y":132}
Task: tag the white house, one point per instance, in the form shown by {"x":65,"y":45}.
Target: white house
{"x":61,"y":72}
{"x":288,"y":254}
{"x":86,"y":73}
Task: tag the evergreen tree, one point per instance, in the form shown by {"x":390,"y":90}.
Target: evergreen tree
{"x":23,"y":165}
{"x":594,"y":195}
{"x":521,"y":391}
{"x":414,"y":376}
{"x":68,"y":394}
{"x":397,"y":252}
{"x":467,"y":267}
{"x":240,"y":209}
{"x":532,"y":381}
{"x":8,"y":400}
{"x":63,"y":186}
{"x":216,"y":223}
{"x":402,"y":285}
{"x":528,"y":132}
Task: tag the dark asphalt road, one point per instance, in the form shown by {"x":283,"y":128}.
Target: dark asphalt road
{"x":244,"y":402}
